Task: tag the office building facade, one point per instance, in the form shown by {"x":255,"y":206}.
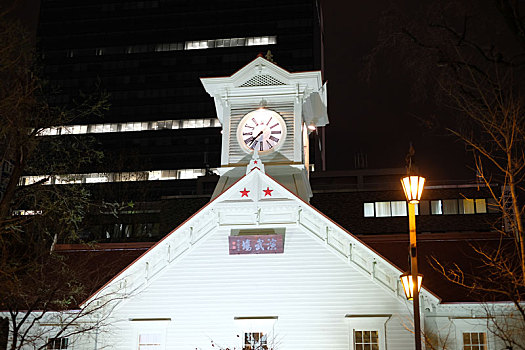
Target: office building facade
{"x":161,"y":132}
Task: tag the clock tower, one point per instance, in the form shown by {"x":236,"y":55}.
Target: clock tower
{"x":266,"y":109}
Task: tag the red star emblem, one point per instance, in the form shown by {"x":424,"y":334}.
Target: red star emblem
{"x":254,"y":162}
{"x":244,"y":193}
{"x":267,"y":192}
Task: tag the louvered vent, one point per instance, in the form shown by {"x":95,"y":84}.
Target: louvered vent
{"x":262,"y":80}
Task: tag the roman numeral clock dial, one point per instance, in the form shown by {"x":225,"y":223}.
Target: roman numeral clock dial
{"x":262,"y":129}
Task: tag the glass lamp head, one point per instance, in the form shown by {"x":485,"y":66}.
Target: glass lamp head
{"x":413,"y":187}
{"x":407,"y":280}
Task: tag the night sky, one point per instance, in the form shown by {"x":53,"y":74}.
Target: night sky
{"x":372,"y":117}
{"x":369,"y":117}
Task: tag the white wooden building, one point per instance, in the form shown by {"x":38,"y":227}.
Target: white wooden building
{"x":326,"y":290}
{"x":259,"y":267}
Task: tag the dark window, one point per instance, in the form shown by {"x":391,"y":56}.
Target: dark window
{"x":450,"y":206}
{"x":58,"y":343}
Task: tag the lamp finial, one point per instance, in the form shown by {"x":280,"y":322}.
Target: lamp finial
{"x":269,"y":56}
{"x":408,"y":159}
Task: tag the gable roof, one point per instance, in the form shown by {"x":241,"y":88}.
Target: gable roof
{"x":261,"y":77}
{"x":261,"y":72}
{"x":255,"y":199}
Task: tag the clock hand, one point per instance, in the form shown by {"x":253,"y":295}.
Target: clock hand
{"x":255,"y":138}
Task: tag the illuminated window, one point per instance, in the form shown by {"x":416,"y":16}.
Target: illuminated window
{"x":481,"y":205}
{"x":459,"y":206}
{"x":190,"y":173}
{"x":369,"y":210}
{"x":254,"y":41}
{"x":366,"y":340}
{"x":386,"y":209}
{"x":58,"y":343}
{"x":49,"y":132}
{"x":255,"y":341}
{"x":260,"y":40}
{"x":467,"y":206}
{"x":165,"y":124}
{"x":472,"y":206}
{"x":29,"y":180}
{"x":382,"y":209}
{"x":399,"y":208}
{"x":150,"y":341}
{"x":199,"y":123}
{"x":229,"y":42}
{"x":436,"y":207}
{"x":450,"y":206}
{"x":199,"y":44}
{"x":131,"y":176}
{"x":189,"y":124}
{"x":130,"y":126}
{"x":168,"y":174}
{"x":27,"y":212}
{"x":67,"y":179}
{"x":474,"y":341}
{"x":169,"y":47}
{"x":96,"y":179}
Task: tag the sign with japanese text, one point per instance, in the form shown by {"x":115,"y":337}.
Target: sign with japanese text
{"x":256,"y":244}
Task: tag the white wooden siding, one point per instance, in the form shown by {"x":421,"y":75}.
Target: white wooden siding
{"x":308,"y":288}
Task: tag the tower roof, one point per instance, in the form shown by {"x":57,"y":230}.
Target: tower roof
{"x":261,"y":77}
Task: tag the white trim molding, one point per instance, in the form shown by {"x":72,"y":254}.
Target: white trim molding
{"x":364,"y":322}
{"x":472,"y":325}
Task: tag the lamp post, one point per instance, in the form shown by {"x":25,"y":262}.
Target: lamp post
{"x":413,"y":187}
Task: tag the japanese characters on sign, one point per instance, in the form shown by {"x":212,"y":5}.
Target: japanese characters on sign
{"x":256,"y":244}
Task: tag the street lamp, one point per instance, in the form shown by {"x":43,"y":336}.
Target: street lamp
{"x":413,"y":187}
{"x":408,"y":284}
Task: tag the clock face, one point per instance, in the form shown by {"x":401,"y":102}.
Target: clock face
{"x":262,"y":129}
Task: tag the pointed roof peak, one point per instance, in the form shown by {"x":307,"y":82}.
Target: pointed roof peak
{"x":255,"y":162}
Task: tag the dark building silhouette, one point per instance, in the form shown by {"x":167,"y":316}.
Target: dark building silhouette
{"x":161,"y":133}
{"x":161,"y":138}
